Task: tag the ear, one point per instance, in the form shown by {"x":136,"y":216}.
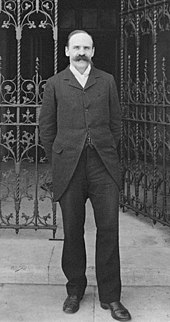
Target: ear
{"x":93,"y":51}
{"x":67,"y":51}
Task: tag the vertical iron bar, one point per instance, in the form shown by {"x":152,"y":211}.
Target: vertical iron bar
{"x":36,"y":209}
{"x":55,"y":36}
{"x":164,"y":208}
{"x":145,"y":137}
{"x":54,"y":205}
{"x":17,"y":165}
{"x":0,"y":131}
{"x":137,"y":111}
{"x":128,"y":134}
{"x":0,"y":177}
{"x":155,"y":114}
{"x":121,"y":102}
{"x":37,"y":5}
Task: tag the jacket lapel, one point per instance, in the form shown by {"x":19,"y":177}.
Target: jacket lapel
{"x":70,"y":78}
{"x":94,"y":74}
{"x":72,"y":81}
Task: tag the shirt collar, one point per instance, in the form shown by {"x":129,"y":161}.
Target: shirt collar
{"x":77,"y":73}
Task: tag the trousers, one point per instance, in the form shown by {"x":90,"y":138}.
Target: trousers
{"x":91,"y":180}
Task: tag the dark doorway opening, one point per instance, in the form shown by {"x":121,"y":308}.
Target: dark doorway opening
{"x":101,"y":19}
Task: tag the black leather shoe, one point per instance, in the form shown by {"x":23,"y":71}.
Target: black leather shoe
{"x":118,"y":311}
{"x":71,"y":304}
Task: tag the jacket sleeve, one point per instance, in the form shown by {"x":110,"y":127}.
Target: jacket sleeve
{"x":48,"y":119}
{"x":115,"y":112}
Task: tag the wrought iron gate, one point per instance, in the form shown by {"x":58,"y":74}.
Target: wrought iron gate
{"x":25,"y":195}
{"x":145,"y":100}
{"x":28,"y":25}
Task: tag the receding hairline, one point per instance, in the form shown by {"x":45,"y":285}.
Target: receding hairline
{"x":76,"y":32}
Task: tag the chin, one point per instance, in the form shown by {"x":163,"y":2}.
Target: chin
{"x":82,"y":62}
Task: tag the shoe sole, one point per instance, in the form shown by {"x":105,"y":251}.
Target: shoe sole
{"x":70,"y":312}
{"x":106,"y":306}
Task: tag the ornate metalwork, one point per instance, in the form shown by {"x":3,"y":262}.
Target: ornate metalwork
{"x":145,"y":101}
{"x":26,"y":199}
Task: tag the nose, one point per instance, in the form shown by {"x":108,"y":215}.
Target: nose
{"x":81,"y":51}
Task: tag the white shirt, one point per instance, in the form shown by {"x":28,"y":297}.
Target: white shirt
{"x":82,"y":78}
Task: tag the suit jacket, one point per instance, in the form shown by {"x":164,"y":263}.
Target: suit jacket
{"x":69,"y":112}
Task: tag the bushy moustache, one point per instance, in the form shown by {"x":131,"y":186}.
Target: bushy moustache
{"x":82,"y":57}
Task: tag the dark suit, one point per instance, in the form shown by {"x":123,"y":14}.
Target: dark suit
{"x":68,"y":114}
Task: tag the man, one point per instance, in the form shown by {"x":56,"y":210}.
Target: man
{"x":80,"y":130}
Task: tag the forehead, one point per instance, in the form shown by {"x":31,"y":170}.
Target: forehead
{"x":81,"y":39}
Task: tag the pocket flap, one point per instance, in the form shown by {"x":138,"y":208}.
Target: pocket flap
{"x":57,"y":147}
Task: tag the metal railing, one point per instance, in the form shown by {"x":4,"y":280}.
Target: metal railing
{"x":26,"y":200}
{"x":145,"y":101}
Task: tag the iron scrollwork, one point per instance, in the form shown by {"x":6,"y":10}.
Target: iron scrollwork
{"x":26,"y":198}
{"x":145,"y":100}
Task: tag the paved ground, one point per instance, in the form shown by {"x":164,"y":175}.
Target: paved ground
{"x":43,"y":303}
{"x":32,"y":283}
